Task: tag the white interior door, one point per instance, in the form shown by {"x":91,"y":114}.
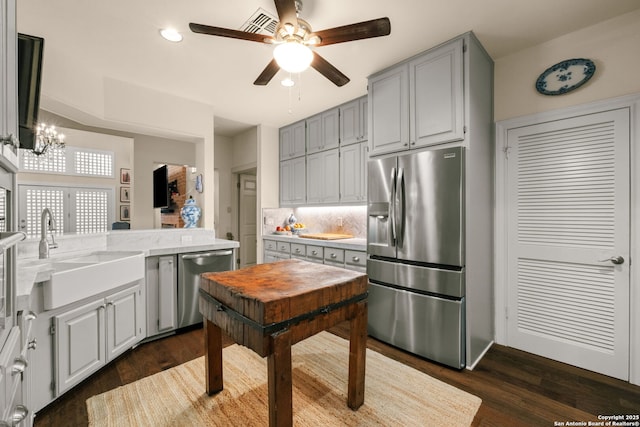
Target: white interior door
{"x":247,"y":224}
{"x":568,"y":221}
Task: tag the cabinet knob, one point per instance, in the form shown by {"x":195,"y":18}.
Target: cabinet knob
{"x":297,"y":250}
{"x":19,"y":414}
{"x":19,"y":365}
{"x":356,"y":259}
{"x":314,"y":252}
{"x":30,"y":316}
{"x":32,"y":344}
{"x":333,"y":255}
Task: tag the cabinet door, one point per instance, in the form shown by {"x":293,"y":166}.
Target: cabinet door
{"x":292,"y":141}
{"x":80,"y":344}
{"x":292,"y":181}
{"x":314,"y":134}
{"x":123,"y":321}
{"x":167,"y":294}
{"x":364,"y":118}
{"x":436,"y":96}
{"x":315,"y":183}
{"x":389,"y":107}
{"x":323,"y":172}
{"x":352,"y":173}
{"x":331,"y":129}
{"x":350,"y":123}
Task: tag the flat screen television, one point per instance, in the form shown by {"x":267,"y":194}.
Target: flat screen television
{"x":30,"y":50}
{"x":161,"y":187}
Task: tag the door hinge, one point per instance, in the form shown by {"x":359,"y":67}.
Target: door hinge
{"x":52,"y":329}
{"x":464,"y":47}
{"x":506,"y":312}
{"x":238,"y":184}
{"x":53,"y":385}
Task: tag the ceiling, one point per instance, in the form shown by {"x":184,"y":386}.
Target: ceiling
{"x":119,"y":39}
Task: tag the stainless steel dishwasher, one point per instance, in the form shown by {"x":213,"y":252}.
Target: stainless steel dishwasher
{"x":190,"y":267}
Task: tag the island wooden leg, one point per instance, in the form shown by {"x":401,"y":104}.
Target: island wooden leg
{"x":213,"y":357}
{"x":279,"y":383}
{"x":357,"y":356}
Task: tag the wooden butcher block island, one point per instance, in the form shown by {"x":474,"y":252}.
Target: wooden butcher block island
{"x":270,"y":307}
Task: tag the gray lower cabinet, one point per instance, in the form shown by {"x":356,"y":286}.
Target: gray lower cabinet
{"x":344,"y":258}
{"x":76,"y":340}
{"x":162,"y":294}
{"x":91,"y":335}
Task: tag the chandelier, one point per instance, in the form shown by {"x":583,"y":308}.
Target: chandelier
{"x":47,"y":137}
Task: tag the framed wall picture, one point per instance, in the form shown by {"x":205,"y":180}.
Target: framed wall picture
{"x":125,"y":194}
{"x":124,"y":213}
{"x":125,"y":176}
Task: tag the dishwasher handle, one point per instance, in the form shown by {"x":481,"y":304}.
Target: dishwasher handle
{"x":206,"y":255}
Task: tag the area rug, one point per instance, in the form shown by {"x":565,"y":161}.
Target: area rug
{"x":395,"y":394}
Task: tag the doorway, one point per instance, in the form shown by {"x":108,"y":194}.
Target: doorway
{"x":247,"y":218}
{"x":567,"y":239}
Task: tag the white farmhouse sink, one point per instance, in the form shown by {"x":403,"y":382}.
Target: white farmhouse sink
{"x":83,"y":276}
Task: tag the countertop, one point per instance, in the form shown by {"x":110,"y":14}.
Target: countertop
{"x":355,"y":244}
{"x":31,"y":271}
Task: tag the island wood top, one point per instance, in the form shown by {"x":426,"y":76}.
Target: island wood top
{"x":279,"y":291}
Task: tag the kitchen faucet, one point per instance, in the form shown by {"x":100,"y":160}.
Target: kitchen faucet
{"x":44,"y":244}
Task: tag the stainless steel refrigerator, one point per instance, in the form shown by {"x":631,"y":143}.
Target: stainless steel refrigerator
{"x":416,"y":257}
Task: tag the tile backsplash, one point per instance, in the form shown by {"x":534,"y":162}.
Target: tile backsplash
{"x":325,"y":219}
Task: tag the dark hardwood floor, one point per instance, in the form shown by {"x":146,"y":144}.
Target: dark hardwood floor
{"x":516,"y":388}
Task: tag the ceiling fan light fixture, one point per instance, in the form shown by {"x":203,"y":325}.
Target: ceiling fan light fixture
{"x":293,"y":56}
{"x":171,"y":35}
{"x":287,"y":82}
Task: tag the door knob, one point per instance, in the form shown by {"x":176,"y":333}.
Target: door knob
{"x":614,"y":259}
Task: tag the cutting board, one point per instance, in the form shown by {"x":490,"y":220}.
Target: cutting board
{"x":327,"y":236}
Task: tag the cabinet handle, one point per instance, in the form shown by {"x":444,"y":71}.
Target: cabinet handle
{"x":356,"y":259}
{"x":31,"y":345}
{"x":30,"y":316}
{"x":297,"y":250}
{"x":19,"y":365}
{"x":314,"y":252}
{"x":333,"y":255}
{"x":109,"y":303}
{"x":102,"y":307}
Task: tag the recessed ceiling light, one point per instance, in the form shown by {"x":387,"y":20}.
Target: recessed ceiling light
{"x":171,"y":35}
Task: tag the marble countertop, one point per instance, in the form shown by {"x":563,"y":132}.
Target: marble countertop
{"x":354,"y":244}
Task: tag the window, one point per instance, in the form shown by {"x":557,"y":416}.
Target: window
{"x":74,"y":161}
{"x":75,"y":209}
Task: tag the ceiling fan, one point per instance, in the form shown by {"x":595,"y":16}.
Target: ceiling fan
{"x":293,"y":38}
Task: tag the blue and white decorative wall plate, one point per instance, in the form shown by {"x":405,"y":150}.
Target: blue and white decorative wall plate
{"x":565,"y":76}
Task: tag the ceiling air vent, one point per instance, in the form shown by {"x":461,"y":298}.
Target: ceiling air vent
{"x":261,"y":22}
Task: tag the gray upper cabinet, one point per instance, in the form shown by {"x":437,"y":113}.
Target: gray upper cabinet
{"x":389,"y":110}
{"x":436,"y":102}
{"x":323,"y":185}
{"x":353,"y":173}
{"x":292,"y":182}
{"x":419,"y":102}
{"x":353,"y":121}
{"x":323,"y":131}
{"x":292,"y":141}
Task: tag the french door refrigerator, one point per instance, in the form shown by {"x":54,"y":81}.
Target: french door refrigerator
{"x":415,"y":250}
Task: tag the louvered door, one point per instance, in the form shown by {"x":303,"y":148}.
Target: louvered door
{"x":568,"y":213}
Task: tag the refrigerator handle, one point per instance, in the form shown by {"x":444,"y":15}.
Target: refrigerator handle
{"x":392,"y":210}
{"x":399,"y":218}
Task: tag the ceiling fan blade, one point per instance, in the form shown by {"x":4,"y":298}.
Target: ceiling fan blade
{"x":267,"y":74}
{"x":328,"y":70}
{"x":225,"y":32}
{"x":361,"y":30}
{"x":287,"y":11}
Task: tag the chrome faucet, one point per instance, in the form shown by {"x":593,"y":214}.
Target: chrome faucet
{"x":44,"y":243}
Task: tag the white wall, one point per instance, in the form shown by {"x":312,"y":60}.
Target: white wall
{"x":268,"y":174}
{"x":612,"y":45}
{"x":223,"y":162}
